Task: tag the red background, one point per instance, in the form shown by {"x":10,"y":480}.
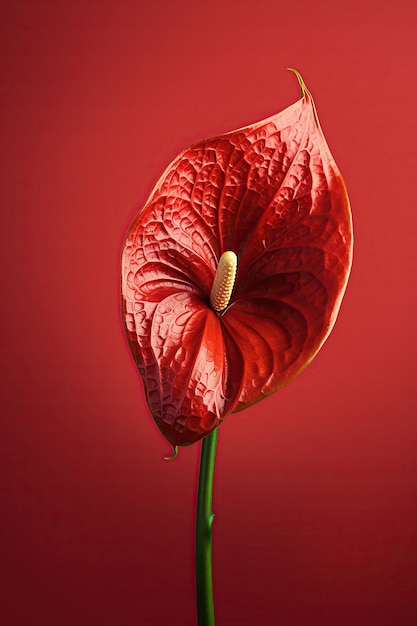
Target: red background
{"x":315,"y":487}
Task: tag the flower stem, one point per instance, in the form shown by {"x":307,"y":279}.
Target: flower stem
{"x":204,"y":579}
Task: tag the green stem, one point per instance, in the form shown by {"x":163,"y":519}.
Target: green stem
{"x":204,"y":579}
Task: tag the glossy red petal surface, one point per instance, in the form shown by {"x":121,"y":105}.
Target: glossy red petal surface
{"x":180,"y":351}
{"x":272,"y":193}
{"x":270,"y":336}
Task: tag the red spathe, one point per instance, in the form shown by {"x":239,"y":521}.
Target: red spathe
{"x":272,"y":193}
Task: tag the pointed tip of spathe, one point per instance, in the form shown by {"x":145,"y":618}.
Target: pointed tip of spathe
{"x":173,"y":455}
{"x":300,"y":80}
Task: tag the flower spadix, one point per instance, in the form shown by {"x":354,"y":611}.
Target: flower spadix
{"x":234,"y":270}
{"x":224,"y":280}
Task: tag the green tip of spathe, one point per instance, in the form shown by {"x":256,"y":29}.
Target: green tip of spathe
{"x":173,"y":455}
{"x":300,"y":80}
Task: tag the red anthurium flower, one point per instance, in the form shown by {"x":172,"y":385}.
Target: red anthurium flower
{"x":272,"y":197}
